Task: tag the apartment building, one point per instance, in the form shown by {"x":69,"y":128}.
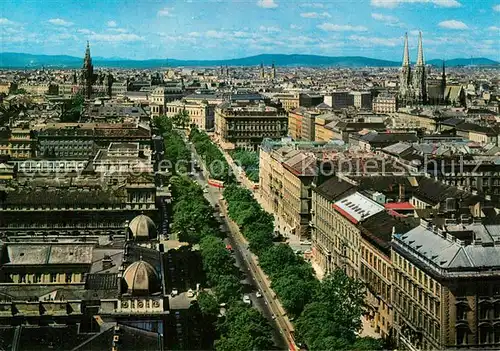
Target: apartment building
{"x":362,"y":99}
{"x":446,"y":286}
{"x":302,"y":124}
{"x":287,"y":170}
{"x":385,"y":103}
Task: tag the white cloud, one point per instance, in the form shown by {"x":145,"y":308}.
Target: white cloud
{"x":118,"y":30}
{"x":267,"y":4}
{"x":194,"y":34}
{"x":389,"y":20}
{"x":116,"y":38}
{"x":330,"y":27}
{"x":270,"y":29}
{"x":312,"y":5}
{"x":494,"y":28}
{"x":215,"y":34}
{"x":374,"y":41}
{"x":315,"y":15}
{"x":453,"y":24}
{"x":111,"y":24}
{"x":242,"y":34}
{"x":414,"y":32}
{"x":165,"y":12}
{"x":294,"y":26}
{"x":6,"y":22}
{"x":84,"y":31}
{"x":394,"y":3}
{"x":60,"y":22}
{"x":496,"y":8}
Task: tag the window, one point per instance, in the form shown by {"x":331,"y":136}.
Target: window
{"x":462,"y":312}
{"x":53,"y":277}
{"x":69,"y":277}
{"x":462,"y":336}
{"x":483,"y":311}
{"x":485,"y":334}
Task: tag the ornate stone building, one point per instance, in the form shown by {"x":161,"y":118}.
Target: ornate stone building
{"x":413,"y":83}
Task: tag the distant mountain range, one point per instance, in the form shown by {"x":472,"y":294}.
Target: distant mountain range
{"x":22,"y":61}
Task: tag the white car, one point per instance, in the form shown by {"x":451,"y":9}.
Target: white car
{"x":190,"y":293}
{"x":174,"y":292}
{"x":246,"y":299}
{"x":205,"y":191}
{"x":258,"y":294}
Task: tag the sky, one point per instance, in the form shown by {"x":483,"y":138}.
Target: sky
{"x":221,"y":29}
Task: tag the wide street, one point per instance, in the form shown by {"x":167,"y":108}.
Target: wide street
{"x":252,"y":282}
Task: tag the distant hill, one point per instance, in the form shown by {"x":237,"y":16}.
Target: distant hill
{"x":21,"y":60}
{"x":479,"y":61}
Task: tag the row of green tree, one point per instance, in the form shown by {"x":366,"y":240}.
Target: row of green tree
{"x":212,"y":157}
{"x":249,"y":161}
{"x":176,"y":151}
{"x":328,"y":313}
{"x":242,"y":328}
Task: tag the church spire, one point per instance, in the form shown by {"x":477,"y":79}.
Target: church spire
{"x":443,"y":83}
{"x":420,"y":56}
{"x":406,"y":53}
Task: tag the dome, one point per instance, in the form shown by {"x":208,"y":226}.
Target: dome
{"x":142,"y":228}
{"x":141,"y":278}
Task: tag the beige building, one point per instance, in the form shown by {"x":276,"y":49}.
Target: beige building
{"x":246,"y":126}
{"x":20,"y":143}
{"x":7,"y":87}
{"x":446,"y":286}
{"x":39,"y":88}
{"x":160,"y":96}
{"x":286,"y":171}
{"x":289,"y":101}
{"x":352,"y":232}
{"x":385,"y":103}
{"x":322,"y":131}
{"x":198,"y":112}
{"x":302,"y":123}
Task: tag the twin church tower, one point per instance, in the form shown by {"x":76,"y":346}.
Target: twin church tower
{"x":412,"y":82}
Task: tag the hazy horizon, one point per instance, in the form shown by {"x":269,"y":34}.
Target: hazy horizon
{"x":227,"y":29}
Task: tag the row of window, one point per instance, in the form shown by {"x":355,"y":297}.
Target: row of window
{"x":416,"y":274}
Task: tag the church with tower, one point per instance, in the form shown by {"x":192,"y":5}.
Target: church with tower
{"x":415,"y":89}
{"x":413,"y":81}
{"x":90,"y":82}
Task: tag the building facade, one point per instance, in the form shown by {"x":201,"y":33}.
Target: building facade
{"x":198,"y":112}
{"x":246,"y":126}
{"x":446,"y":287}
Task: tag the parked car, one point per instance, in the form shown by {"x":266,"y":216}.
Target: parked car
{"x":258,"y":294}
{"x":174,"y":292}
{"x":246,"y":299}
{"x":190,"y":293}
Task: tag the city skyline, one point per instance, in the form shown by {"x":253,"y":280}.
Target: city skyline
{"x":233,"y":29}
